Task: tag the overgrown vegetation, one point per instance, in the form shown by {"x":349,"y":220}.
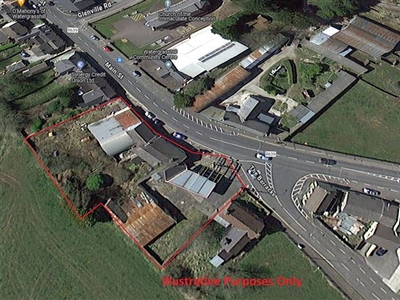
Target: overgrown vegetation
{"x":185,"y":98}
{"x":329,"y":9}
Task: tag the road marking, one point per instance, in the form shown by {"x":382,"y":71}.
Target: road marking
{"x":174,"y":119}
{"x":344,"y":266}
{"x":353,"y":261}
{"x":92,"y":49}
{"x":383,"y":290}
{"x":396,"y":191}
{"x":362,"y":270}
{"x":354,"y":181}
{"x":360,"y":282}
{"x":318,"y":242}
{"x":375,"y":296}
{"x":130,"y":82}
{"x":79,"y":38}
{"x":292,"y":157}
{"x":155,"y":104}
{"x":199,"y":133}
{"x":372,"y":280}
{"x":311,"y":162}
{"x":138,"y":90}
{"x":380,"y":187}
{"x":164,"y":112}
{"x":367,"y":184}
{"x":342,"y":251}
{"x":332,"y":242}
{"x":186,"y":126}
{"x":330,"y":252}
{"x":147,"y":97}
{"x":294,"y":219}
{"x":277,"y":199}
{"x":233,"y":144}
{"x":98,"y":55}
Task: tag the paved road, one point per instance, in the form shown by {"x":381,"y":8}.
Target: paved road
{"x":291,"y":164}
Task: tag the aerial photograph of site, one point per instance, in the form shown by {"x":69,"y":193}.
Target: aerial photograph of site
{"x":200,"y":149}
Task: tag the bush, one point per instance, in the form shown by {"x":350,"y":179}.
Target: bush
{"x":65,"y":101}
{"x":37,"y":125}
{"x":94,"y":182}
{"x":182,"y":100}
{"x":55,"y":106}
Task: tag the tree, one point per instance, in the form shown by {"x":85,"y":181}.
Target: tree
{"x":94,"y":182}
{"x":337,"y":8}
{"x":310,"y":71}
{"x":182,"y":100}
{"x":37,"y":124}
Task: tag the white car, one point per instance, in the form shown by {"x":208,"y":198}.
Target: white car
{"x":263,"y":156}
{"x":149,"y":115}
{"x":253,"y":173}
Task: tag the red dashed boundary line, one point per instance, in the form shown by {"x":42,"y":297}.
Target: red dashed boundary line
{"x":115,"y":219}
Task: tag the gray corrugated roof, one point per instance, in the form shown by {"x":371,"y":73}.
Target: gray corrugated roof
{"x":194,"y":183}
{"x":111,"y":136}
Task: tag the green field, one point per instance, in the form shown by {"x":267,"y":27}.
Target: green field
{"x":104,"y":26}
{"x":274,"y":256}
{"x":363,"y":117}
{"x":129,"y":49}
{"x":386,"y":77}
{"x":47,"y":254}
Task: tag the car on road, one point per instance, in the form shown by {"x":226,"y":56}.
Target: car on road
{"x":371,"y":192}
{"x":327,"y":161}
{"x":51,"y":3}
{"x":253,"y":173}
{"x":108,"y":49}
{"x":262,"y":156}
{"x":94,"y":37}
{"x":149,"y":115}
{"x":178,"y":135}
{"x":157,"y":122}
{"x":381,"y":251}
{"x":300,"y":246}
{"x":136,"y":74}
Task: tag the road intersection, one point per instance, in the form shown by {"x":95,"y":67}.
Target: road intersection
{"x":292,"y":163}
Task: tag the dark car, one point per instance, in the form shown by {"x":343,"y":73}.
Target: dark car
{"x":178,"y":135}
{"x":381,"y":251}
{"x":371,"y":192}
{"x":157,"y":122}
{"x":136,"y":74}
{"x":108,"y":49}
{"x":51,"y":3}
{"x":327,"y":161}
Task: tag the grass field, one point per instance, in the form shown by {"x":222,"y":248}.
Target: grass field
{"x":129,"y":49}
{"x":46,"y":254}
{"x":367,"y":117}
{"x":385,"y":77}
{"x":104,"y":26}
{"x":275,"y":255}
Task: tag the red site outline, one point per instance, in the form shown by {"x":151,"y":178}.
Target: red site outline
{"x":116,"y":220}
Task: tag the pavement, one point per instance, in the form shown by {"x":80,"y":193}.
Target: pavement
{"x":292,"y":162}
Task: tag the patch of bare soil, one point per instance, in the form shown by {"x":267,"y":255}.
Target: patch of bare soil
{"x":11,"y":181}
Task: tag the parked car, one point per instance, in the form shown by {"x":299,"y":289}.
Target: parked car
{"x":381,"y":251}
{"x":371,"y":192}
{"x":300,"y":246}
{"x":157,"y":122}
{"x":253,"y":173}
{"x":51,"y":3}
{"x":136,"y":74}
{"x":263,"y":156}
{"x":149,"y":115}
{"x":327,"y":161}
{"x":24,"y":54}
{"x":178,"y":135}
{"x":94,"y":37}
{"x":108,"y":49}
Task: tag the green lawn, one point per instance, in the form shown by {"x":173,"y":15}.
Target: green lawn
{"x":7,"y":46}
{"x":104,"y":26}
{"x":385,"y":77}
{"x":46,"y":254}
{"x":8,"y":61}
{"x":363,"y":122}
{"x":129,"y":49}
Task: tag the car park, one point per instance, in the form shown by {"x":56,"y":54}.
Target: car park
{"x":327,"y":161}
{"x":381,"y":251}
{"x":94,"y":37}
{"x":108,"y":49}
{"x":178,"y":135}
{"x":263,"y":156}
{"x":371,"y":192}
{"x":149,"y":115}
{"x":136,"y":74}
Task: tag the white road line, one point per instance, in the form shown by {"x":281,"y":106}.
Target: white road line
{"x":367,"y":184}
{"x":277,"y":199}
{"x":362,"y":270}
{"x":92,"y":49}
{"x":199,"y":133}
{"x":294,"y":219}
{"x":396,"y":191}
{"x":330,"y":252}
{"x":341,"y":250}
{"x":174,"y":119}
{"x":311,"y":162}
{"x":130,"y":82}
{"x":164,"y":112}
{"x":147,"y":97}
{"x":380,"y":187}
{"x":344,"y":266}
{"x":375,"y":296}
{"x":360,"y":282}
{"x":98,"y":55}
{"x":138,"y":90}
{"x":318,"y":242}
{"x":186,"y":126}
{"x":353,"y":261}
{"x":79,"y":37}
{"x":383,"y":290}
{"x":372,"y":280}
{"x":354,"y":181}
{"x":332,"y":242}
{"x":292,"y":157}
